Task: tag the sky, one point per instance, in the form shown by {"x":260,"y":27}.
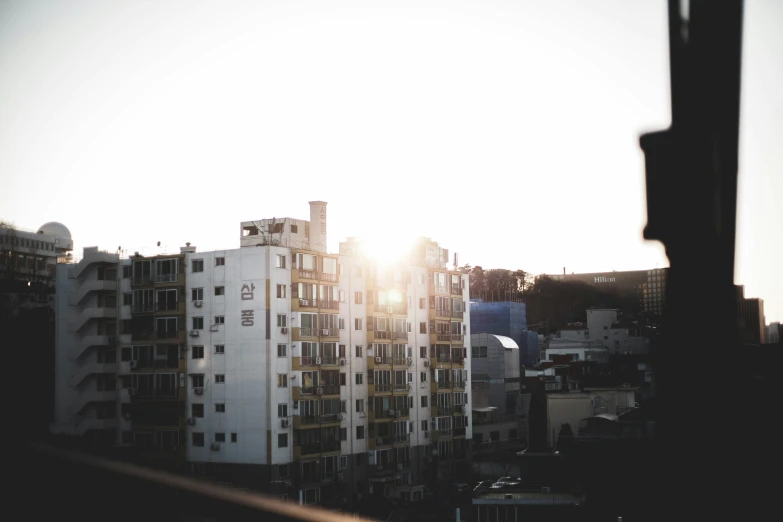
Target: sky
{"x":505,"y":130}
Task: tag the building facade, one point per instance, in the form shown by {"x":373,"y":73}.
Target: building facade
{"x":320,"y":377}
{"x":508,"y":319}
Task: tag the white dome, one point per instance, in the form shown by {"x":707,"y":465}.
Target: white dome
{"x":54,"y":228}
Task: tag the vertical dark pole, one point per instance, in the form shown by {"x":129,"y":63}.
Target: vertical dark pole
{"x":691,"y":196}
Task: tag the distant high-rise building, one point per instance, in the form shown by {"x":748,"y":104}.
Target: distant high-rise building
{"x":773,"y":333}
{"x":647,"y":286}
{"x":750,"y":318}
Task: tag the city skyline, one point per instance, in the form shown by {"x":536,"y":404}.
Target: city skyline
{"x":145,"y":122}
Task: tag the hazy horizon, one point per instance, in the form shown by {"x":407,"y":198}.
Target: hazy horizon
{"x":506,"y":131}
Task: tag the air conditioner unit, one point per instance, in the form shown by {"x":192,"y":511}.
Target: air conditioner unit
{"x":462,"y":409}
{"x":426,"y":362}
{"x":324,"y":331}
{"x":378,"y":360}
{"x":397,"y":413}
{"x":426,"y":434}
{"x":423,"y":385}
{"x":409,"y":387}
{"x":410,"y":361}
{"x":284,"y":330}
{"x":343,"y":362}
{"x":134,"y":364}
{"x":392,"y":413}
{"x":545,"y":490}
{"x":389,"y":310}
{"x":132,"y":391}
{"x":213,"y":328}
{"x":194,"y":333}
{"x":340,"y":416}
{"x":362,"y":415}
{"x":379,"y":440}
{"x":318,"y":360}
{"x":198,"y":304}
{"x":198,"y":391}
{"x":304,"y":302}
{"x":285,"y":423}
{"x":319,"y":391}
{"x":126,"y":415}
{"x":191,"y":421}
{"x":380,"y":467}
{"x":399,"y":466}
{"x":215,"y":446}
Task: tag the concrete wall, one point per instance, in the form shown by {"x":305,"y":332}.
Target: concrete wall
{"x":566,"y":408}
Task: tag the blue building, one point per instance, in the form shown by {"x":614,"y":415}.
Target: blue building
{"x":507,"y":319}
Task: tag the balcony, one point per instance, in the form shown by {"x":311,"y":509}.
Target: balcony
{"x":399,"y":309}
{"x":142,"y":308}
{"x":460,"y":432}
{"x":316,"y":448}
{"x":169,"y":279}
{"x":88,"y":287}
{"x":402,"y":387}
{"x":329,"y":278}
{"x":402,"y":438}
{"x":440,"y":337}
{"x":82,"y":372}
{"x":330,"y":361}
{"x":458,"y":359}
{"x":378,"y":335}
{"x":382,"y":360}
{"x":89,"y":313}
{"x":301,"y":273}
{"x":324,"y":389}
{"x":458,"y":385}
{"x":142,"y":280}
{"x":456,"y":290}
{"x":400,"y":335}
{"x":89,"y":341}
{"x":170,"y":334}
{"x":176,"y":306}
{"x":385,"y":440}
{"x":442,"y":385}
{"x":439,"y":313}
{"x":383,"y":387}
{"x":457,"y":338}
{"x":400,"y":361}
{"x":457,"y":314}
{"x":438,"y":289}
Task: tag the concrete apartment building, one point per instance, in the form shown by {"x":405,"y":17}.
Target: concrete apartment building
{"x":319,"y":376}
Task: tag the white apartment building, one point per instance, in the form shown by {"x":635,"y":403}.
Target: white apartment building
{"x":318,"y":376}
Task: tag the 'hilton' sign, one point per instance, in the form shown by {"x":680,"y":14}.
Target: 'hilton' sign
{"x":604,"y":279}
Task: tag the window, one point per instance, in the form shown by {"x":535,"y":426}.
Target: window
{"x":357,"y":297}
{"x":423,"y":327}
{"x":358,"y":351}
{"x":282,"y":410}
{"x":479,"y":352}
{"x":233,"y":437}
{"x":359,"y":405}
{"x":282,"y":380}
{"x":359,"y":433}
{"x":342,"y":379}
{"x":197,"y":294}
{"x":126,"y":271}
{"x":127,"y":299}
{"x":341,"y":323}
{"x":423,"y":401}
{"x":281,"y":291}
{"x":197,"y":410}
{"x":198,"y":323}
{"x":282,"y":350}
{"x":421,"y":279}
{"x":220,"y":378}
{"x":198,"y":380}
{"x":281,"y":320}
{"x":220,"y":348}
{"x":343,"y":434}
{"x":357,"y":323}
{"x":424,"y":425}
{"x":359,"y":378}
{"x":220,"y":437}
{"x":282,"y":440}
{"x":198,"y":439}
{"x":197,"y":265}
{"x":423,"y":376}
{"x":197,"y":352}
{"x":220,"y":319}
{"x":422,"y":303}
{"x":423,"y":352}
{"x":220,"y":261}
{"x":220,"y":290}
{"x":280,"y":259}
{"x":220,"y":407}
